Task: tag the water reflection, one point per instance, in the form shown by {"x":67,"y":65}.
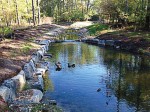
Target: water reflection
{"x":48,"y":85}
{"x":69,"y":34}
{"x":123,"y":79}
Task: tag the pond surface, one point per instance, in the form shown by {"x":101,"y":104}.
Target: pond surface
{"x":103,"y":80}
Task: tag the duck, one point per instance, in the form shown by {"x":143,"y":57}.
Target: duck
{"x":69,"y":65}
{"x":58,"y":69}
{"x":99,"y":89}
{"x":58,"y":65}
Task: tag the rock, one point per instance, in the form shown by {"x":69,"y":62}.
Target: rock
{"x":20,"y":80}
{"x":12,"y":85}
{"x":28,"y":97}
{"x":109,"y":43}
{"x":35,"y":58}
{"x":28,"y":70}
{"x":47,"y":56}
{"x":32,"y":65}
{"x":43,"y":49}
{"x":40,"y":54}
{"x":43,"y":64}
{"x":44,"y":42}
{"x":37,"y":96}
{"x":36,"y":82}
{"x":5,"y":93}
{"x":102,"y":42}
{"x":52,"y":102}
{"x":41,"y":82}
{"x":41,"y":70}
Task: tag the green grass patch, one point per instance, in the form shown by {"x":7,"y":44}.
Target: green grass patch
{"x":5,"y":30}
{"x":26,"y":47}
{"x":93,"y":29}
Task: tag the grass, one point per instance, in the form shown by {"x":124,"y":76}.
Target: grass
{"x":26,"y":47}
{"x":96,"y":28}
{"x":5,"y":30}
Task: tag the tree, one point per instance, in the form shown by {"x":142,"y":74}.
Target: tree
{"x":38,"y":11}
{"x":17,"y":13}
{"x":147,"y":19}
{"x":33,"y":13}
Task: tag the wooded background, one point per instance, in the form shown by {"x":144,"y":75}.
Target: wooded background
{"x":126,"y":12}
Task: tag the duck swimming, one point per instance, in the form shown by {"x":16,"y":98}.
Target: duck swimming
{"x":69,"y":65}
{"x":58,"y":65}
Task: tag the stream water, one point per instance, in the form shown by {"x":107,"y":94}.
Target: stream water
{"x":103,"y":80}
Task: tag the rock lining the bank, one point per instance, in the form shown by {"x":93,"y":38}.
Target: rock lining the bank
{"x":32,"y":73}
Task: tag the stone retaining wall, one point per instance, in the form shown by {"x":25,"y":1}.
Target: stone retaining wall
{"x":116,"y":44}
{"x":12,"y":90}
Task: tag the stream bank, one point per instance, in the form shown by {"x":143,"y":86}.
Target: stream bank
{"x":24,"y":91}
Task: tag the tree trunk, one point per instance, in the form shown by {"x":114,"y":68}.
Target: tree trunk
{"x":88,"y":4}
{"x":17,"y":14}
{"x":33,"y":13}
{"x":27,"y":2}
{"x":38,"y":12}
{"x":147,"y":19}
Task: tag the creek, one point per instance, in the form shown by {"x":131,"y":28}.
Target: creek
{"x":103,"y":80}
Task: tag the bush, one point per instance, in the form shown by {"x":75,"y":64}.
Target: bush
{"x":94,"y":18}
{"x":5,"y":30}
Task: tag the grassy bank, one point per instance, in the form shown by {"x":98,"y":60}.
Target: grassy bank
{"x":139,"y":40}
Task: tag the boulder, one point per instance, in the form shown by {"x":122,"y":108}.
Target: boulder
{"x":28,"y":97}
{"x":43,"y":64}
{"x":5,"y":93}
{"x":12,"y":85}
{"x":46,"y":47}
{"x":36,"y":82}
{"x":102,"y":42}
{"x":40,"y":54}
{"x":20,"y":80}
{"x":44,"y":42}
{"x":35,"y":58}
{"x":28,"y":70}
{"x":41,"y":71}
{"x":32,"y":65}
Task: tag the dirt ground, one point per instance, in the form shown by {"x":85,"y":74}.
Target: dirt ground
{"x":14,"y":53}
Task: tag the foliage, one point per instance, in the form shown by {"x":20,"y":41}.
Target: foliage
{"x":70,"y":10}
{"x":5,"y":30}
{"x":124,"y":12}
{"x":96,"y":28}
{"x":13,"y":11}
